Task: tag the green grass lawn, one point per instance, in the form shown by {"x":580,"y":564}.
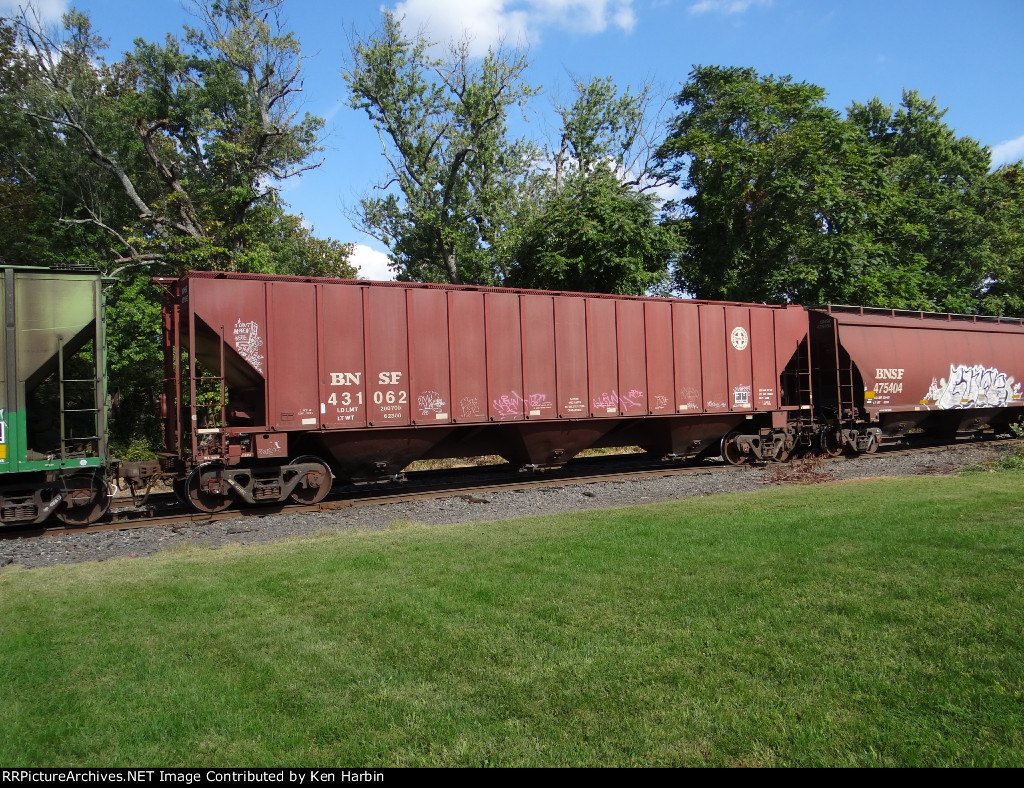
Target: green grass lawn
{"x":874,"y":623}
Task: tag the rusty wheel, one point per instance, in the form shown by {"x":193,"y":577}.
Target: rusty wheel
{"x":315,"y":482}
{"x":86,"y":500}
{"x":730,"y":449}
{"x":205,"y":490}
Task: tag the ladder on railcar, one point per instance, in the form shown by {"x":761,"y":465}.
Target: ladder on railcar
{"x":71,"y":389}
{"x":797,"y":383}
{"x":847,"y":390}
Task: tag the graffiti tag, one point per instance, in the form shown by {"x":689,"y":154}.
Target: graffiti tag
{"x":508,"y":405}
{"x":513,"y":404}
{"x":430,"y":402}
{"x":470,"y":407}
{"x":972,"y":387}
{"x":248,"y":343}
{"x":614,"y":400}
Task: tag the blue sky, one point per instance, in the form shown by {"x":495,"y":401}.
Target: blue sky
{"x":965,"y":53}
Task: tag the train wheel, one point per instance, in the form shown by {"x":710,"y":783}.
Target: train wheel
{"x":87,"y":500}
{"x":314,"y":484}
{"x":872,"y":446}
{"x":830,"y":443}
{"x":730,"y":449}
{"x":202,"y":495}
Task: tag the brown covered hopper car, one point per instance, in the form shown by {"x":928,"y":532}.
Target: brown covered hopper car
{"x":880,"y":374}
{"x":270,"y":380}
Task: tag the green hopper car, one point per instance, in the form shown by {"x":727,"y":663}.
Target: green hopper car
{"x":53,"y":391}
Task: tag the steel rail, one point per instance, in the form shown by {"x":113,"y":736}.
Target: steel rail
{"x":127,"y":518}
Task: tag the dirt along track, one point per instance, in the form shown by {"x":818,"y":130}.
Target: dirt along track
{"x":513,"y":498}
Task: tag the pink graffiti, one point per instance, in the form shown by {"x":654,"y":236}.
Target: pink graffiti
{"x":537,"y":401}
{"x":616,"y":400}
{"x":508,"y":405}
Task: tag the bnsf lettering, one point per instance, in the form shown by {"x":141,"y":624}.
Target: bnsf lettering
{"x":389,"y":378}
{"x":888,"y":374}
{"x":346,"y":378}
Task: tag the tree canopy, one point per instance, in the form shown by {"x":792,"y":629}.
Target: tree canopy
{"x":176,"y":151}
{"x":776,"y":184}
{"x":455,"y":178}
{"x":787,"y":201}
{"x":593,"y":223}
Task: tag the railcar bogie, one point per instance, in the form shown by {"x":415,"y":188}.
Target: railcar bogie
{"x":767,"y":445}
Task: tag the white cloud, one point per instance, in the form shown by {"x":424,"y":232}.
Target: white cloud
{"x":487,"y":23}
{"x":371,"y":263}
{"x":1007,"y":152}
{"x":725,"y":6}
{"x":49,"y":10}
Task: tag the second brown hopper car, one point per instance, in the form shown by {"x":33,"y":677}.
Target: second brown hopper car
{"x":881,"y":374}
{"x":273,"y":383}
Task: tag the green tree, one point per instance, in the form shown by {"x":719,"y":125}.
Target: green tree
{"x":194,"y":135}
{"x":134,"y":359}
{"x":603,"y":128}
{"x":456,"y":180}
{"x":777,"y":186}
{"x":930,"y":224}
{"x":789,"y":202}
{"x":594,"y":235}
{"x":45,"y":179}
{"x":1001,"y":204}
{"x":594,"y":228}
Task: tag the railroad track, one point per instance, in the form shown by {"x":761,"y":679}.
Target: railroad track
{"x":163,"y":509}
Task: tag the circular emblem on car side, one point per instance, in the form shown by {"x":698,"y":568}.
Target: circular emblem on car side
{"x":740,"y":338}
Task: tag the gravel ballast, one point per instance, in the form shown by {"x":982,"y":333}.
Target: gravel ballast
{"x":571,"y":496}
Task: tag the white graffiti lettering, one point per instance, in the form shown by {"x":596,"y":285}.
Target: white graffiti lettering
{"x":972,"y":387}
{"x":430,"y":402}
{"x":470,"y":407}
{"x":248,"y":343}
